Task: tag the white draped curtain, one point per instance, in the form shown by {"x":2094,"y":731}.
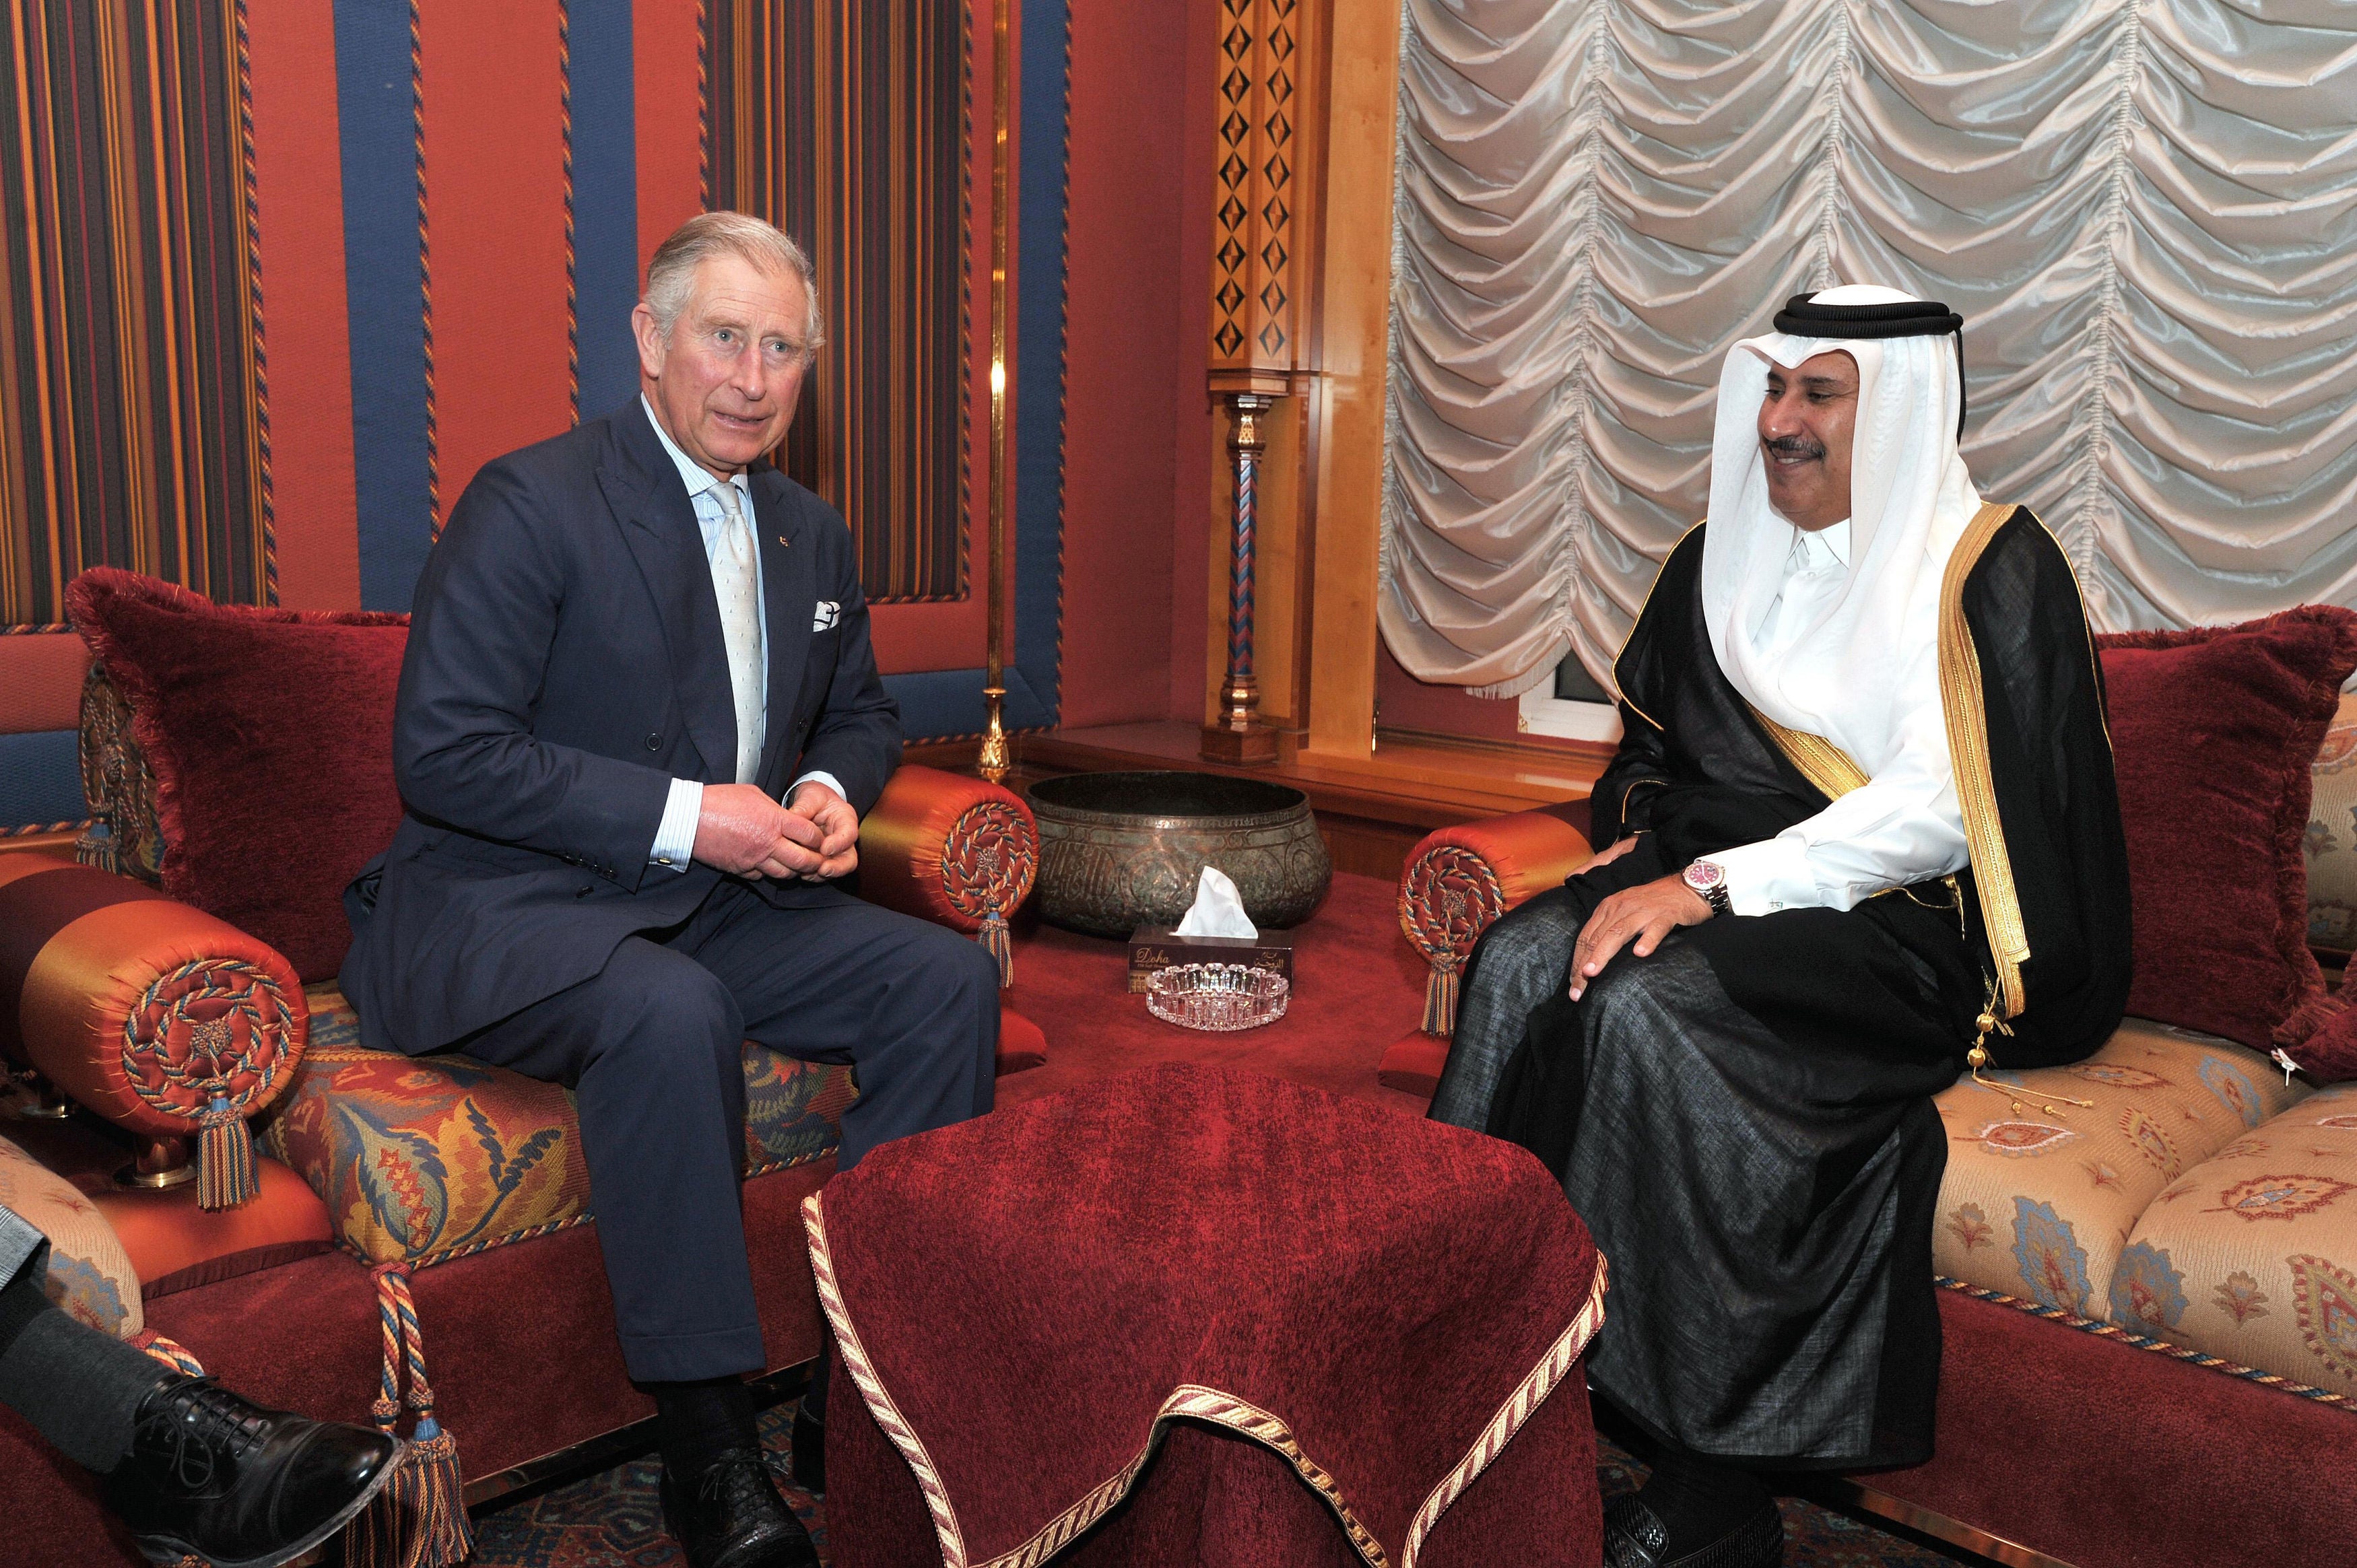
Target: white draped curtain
{"x":2146,"y":213}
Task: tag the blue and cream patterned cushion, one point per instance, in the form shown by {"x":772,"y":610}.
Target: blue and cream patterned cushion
{"x":2039,"y":1200}
{"x":2252,"y":1255}
{"x":90,"y":1275}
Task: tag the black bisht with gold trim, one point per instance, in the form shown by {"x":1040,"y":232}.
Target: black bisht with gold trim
{"x":1745,"y":1118}
{"x":2045,"y":903}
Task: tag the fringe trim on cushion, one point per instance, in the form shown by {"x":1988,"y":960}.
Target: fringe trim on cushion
{"x":996,"y":941}
{"x":1440,"y":998}
{"x":419,"y":1520}
{"x":225,"y":1174}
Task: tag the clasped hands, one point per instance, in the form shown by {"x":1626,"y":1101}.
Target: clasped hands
{"x":1646,"y":912}
{"x":815,"y":838}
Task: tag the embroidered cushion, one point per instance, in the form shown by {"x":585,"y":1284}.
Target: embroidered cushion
{"x":269,"y":736}
{"x":2216,"y":732}
{"x":426,"y":1158}
{"x":90,"y":1275}
{"x":2039,"y":1203}
{"x":2252,"y":1254}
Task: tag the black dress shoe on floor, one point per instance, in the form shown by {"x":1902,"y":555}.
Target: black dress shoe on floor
{"x":731,"y":1515}
{"x":211,"y":1476}
{"x":810,"y":1454}
{"x":1634,"y":1537}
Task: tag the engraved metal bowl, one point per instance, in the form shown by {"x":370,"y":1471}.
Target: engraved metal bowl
{"x":1224,"y":996}
{"x":1118,"y":851}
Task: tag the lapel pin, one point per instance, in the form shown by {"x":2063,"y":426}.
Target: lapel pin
{"x":781,"y":539}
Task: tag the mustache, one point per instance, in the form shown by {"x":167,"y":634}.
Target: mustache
{"x":1793,"y":447}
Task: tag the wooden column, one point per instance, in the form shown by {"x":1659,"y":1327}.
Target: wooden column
{"x":1258,"y":359}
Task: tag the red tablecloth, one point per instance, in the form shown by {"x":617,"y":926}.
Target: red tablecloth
{"x":1338,"y":1324}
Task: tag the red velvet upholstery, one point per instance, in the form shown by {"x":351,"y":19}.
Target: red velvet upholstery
{"x":2109,"y":1457}
{"x":270,"y":736}
{"x":1026,"y":1299}
{"x":2215,"y":732}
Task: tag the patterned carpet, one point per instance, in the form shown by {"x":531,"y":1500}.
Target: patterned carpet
{"x":611,"y":1521}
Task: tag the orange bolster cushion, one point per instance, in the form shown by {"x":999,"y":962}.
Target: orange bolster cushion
{"x":948,"y":848}
{"x":143,"y":1010}
{"x":1460,"y":879}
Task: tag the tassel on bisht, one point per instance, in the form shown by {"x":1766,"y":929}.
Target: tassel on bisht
{"x":1440,"y":998}
{"x":419,"y":1521}
{"x":225,"y":1175}
{"x":998,"y":944}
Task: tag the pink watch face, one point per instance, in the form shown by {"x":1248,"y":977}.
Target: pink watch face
{"x":1702,"y":876}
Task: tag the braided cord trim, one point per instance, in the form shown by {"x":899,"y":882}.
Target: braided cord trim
{"x":2158,"y":1347}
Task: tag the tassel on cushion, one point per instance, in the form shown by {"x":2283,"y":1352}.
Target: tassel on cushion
{"x":998,"y":944}
{"x":1440,"y":998}
{"x":419,"y":1520}
{"x":225,"y":1175}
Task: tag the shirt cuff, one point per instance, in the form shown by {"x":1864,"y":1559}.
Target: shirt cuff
{"x":829,"y":780}
{"x":675,"y":838}
{"x":1764,"y":877}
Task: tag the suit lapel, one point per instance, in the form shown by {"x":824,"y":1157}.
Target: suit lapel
{"x":789,"y":597}
{"x":642,"y":486}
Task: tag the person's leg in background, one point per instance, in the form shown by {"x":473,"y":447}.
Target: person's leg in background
{"x":190,"y":1467}
{"x":912,"y":1006}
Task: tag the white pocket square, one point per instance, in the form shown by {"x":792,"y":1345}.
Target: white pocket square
{"x":829,"y":612}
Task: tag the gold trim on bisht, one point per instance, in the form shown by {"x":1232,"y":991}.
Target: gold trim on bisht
{"x":1964,"y":702}
{"x":1832,"y":771}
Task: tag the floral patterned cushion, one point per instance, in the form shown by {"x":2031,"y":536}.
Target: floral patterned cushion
{"x":2331,"y":841}
{"x":427,"y":1158}
{"x":2252,"y":1254}
{"x":2041,"y":1204}
{"x":89,"y":1275}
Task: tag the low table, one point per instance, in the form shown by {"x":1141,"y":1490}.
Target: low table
{"x":1218,"y":1317}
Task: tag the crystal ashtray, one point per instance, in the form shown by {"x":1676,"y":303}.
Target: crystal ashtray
{"x":1217,"y":996}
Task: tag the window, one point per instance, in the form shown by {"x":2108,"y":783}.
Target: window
{"x":1572,"y":706}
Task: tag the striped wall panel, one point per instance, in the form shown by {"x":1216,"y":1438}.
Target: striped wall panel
{"x":450,"y":205}
{"x":134,"y":422}
{"x":847,"y":127}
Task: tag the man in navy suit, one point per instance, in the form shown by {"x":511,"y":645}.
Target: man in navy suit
{"x":639,"y":722}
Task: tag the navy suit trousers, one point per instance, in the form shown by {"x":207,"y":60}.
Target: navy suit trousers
{"x":653,"y":1047}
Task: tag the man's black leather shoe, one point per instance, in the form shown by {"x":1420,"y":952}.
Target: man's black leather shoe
{"x":731,"y":1515}
{"x":810,"y":1453}
{"x":1634,"y":1537}
{"x":210,"y":1475}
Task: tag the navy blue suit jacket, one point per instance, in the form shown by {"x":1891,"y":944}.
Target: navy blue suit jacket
{"x":565,"y":664}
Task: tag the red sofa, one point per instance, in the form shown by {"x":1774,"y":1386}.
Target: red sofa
{"x":2148,"y":1294}
{"x":337,"y":1187}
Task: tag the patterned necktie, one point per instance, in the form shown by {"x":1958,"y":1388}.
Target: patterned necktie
{"x":734,"y":567}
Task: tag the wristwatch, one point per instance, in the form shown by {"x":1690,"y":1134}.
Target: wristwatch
{"x":1709,"y":880}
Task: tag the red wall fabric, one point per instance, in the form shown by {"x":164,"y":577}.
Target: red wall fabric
{"x":664,"y":43}
{"x":298,"y":189}
{"x":496,"y":231}
{"x":1128,"y":357}
{"x":1197,"y":435}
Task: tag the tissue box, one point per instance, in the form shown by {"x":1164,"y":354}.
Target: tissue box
{"x":1159,"y":947}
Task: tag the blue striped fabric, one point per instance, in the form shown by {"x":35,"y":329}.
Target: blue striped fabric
{"x":383,"y":275}
{"x":605,"y":202}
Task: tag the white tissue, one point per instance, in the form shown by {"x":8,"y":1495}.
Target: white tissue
{"x":1217,"y":911}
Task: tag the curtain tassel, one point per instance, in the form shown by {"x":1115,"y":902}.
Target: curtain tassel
{"x":419,"y":1521}
{"x":998,"y":944}
{"x":1440,"y":998}
{"x":225,"y":1175}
